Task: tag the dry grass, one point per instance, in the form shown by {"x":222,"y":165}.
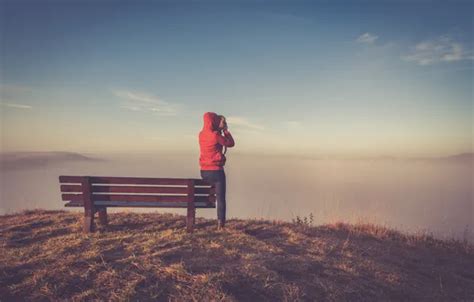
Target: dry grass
{"x":44,"y":256}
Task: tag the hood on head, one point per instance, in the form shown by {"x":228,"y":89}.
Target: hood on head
{"x":211,"y":121}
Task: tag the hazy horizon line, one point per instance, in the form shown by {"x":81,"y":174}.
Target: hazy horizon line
{"x":468,"y":153}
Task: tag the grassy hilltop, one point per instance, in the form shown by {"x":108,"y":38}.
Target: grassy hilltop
{"x":145,"y":256}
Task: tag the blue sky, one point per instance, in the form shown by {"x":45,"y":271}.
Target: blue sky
{"x":324,"y":77}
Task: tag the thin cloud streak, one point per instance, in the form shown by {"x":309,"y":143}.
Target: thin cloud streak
{"x":367,"y":38}
{"x":18,"y":106}
{"x":139,"y":101}
{"x":441,"y":49}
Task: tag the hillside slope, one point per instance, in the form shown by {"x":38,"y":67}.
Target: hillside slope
{"x":44,"y":256}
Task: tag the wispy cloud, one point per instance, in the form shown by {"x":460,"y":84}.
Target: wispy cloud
{"x":13,"y":94}
{"x":442,"y":49}
{"x":367,"y":38}
{"x":18,"y":106}
{"x":243,"y":122}
{"x":139,"y":101}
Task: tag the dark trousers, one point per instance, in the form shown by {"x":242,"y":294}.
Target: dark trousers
{"x":217,"y":177}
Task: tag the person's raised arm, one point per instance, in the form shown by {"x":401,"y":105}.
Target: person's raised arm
{"x":226,"y":140}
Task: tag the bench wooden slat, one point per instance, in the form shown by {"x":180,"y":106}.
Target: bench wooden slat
{"x":137,"y":189}
{"x":70,"y":188}
{"x":152,"y":198}
{"x":71,"y":197}
{"x":162,"y":204}
{"x":132,"y":180}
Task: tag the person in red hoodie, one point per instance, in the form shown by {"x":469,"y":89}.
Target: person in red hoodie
{"x":213,"y":138}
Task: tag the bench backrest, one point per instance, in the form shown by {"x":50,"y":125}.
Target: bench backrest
{"x":137,"y":191}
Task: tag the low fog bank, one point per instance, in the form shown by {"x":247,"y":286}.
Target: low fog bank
{"x":27,"y":160}
{"x":433,"y":195}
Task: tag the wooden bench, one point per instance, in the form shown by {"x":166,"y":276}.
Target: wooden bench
{"x":96,"y":193}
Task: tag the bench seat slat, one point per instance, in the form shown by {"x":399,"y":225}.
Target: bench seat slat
{"x":131,"y":204}
{"x":135,"y":198}
{"x":137,"y":189}
{"x":132,"y":180}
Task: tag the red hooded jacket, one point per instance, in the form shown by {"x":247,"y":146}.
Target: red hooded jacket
{"x":211,"y":143}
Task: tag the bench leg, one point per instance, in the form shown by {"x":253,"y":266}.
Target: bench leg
{"x":102,"y":215}
{"x":190,"y":219}
{"x":89,"y":209}
{"x":89,"y":222}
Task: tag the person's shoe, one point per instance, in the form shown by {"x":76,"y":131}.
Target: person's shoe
{"x":220,"y":225}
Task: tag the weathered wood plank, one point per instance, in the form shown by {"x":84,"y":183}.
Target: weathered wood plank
{"x":138,"y":189}
{"x":116,"y":197}
{"x":70,"y":179}
{"x":191,"y":212}
{"x":71,"y":188}
{"x":152,"y":198}
{"x":129,"y":204}
{"x":72,"y":197}
{"x":89,"y":209}
{"x":132,"y":180}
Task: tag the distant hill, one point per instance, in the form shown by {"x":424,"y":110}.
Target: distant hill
{"x":149,"y":256}
{"x":459,"y":157}
{"x":22,"y":160}
{"x":463,"y":157}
